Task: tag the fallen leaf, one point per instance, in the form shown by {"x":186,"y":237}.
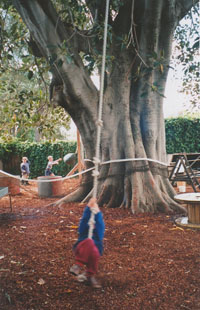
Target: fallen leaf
{"x":41,"y":281}
{"x":14,"y":262}
{"x":69,"y":291}
{"x":176,"y":228}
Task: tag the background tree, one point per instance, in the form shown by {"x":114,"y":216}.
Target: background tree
{"x":68,"y":34}
{"x":25,"y":111}
{"x":186,"y":57}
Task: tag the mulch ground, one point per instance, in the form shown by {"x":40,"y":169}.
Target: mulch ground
{"x":148,"y":264}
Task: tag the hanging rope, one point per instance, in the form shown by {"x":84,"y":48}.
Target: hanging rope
{"x":96,"y":161}
{"x":100,"y":122}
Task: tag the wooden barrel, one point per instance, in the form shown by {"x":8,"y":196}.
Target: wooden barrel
{"x":13,"y":184}
{"x":50,"y":189}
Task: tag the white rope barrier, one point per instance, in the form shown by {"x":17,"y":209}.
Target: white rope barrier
{"x":44,"y":181}
{"x":134,"y":159}
{"x":84,"y":171}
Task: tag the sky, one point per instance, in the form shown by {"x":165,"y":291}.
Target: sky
{"x":174,"y":102}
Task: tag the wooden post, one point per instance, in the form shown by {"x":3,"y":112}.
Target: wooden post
{"x":79,"y":166}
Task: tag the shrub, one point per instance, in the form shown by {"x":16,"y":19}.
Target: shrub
{"x":37,"y":153}
{"x":182,"y":135}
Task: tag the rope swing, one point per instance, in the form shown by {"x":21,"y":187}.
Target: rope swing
{"x":96,"y":159}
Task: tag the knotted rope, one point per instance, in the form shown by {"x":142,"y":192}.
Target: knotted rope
{"x":96,"y":160}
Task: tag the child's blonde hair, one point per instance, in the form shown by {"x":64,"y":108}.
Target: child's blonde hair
{"x":24,"y":158}
{"x":49,"y":157}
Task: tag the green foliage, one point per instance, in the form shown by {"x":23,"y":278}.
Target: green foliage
{"x":182,"y":135}
{"x":73,"y":12}
{"x":186,"y":55}
{"x":37,"y":153}
{"x":25,"y":110}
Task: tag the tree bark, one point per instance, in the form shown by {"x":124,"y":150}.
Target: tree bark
{"x":133,"y":122}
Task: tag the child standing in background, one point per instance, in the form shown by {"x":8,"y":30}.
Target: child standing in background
{"x":51,"y":162}
{"x":88,"y":251}
{"x":25,"y":170}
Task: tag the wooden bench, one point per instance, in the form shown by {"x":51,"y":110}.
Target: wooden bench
{"x":3,"y":192}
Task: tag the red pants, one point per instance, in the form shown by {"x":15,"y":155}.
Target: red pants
{"x":86,"y":253}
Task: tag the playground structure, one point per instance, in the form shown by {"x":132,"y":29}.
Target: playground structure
{"x":183,"y":170}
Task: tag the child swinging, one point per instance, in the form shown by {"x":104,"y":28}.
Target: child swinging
{"x":88,"y":250}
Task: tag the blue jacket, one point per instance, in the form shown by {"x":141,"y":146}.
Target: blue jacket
{"x":25,"y":168}
{"x":98,"y":232}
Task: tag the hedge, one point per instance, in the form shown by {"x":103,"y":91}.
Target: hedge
{"x":182,"y":135}
{"x":37,"y":153}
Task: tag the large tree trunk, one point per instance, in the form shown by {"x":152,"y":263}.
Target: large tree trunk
{"x":133,"y":122}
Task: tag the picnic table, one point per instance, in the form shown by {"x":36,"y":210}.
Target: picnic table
{"x":3,"y":192}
